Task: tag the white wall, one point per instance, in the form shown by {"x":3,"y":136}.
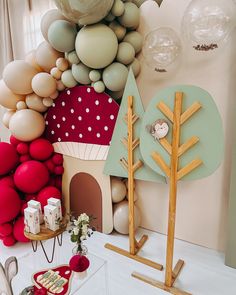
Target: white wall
{"x":202,"y":204}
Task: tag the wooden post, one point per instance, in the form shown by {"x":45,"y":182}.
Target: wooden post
{"x":131,"y":144}
{"x":173,"y":187}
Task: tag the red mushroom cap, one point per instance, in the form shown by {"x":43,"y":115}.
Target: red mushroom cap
{"x":80,"y":115}
{"x":79,"y":263}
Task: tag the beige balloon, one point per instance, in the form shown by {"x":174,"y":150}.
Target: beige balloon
{"x":21,"y":105}
{"x":48,"y":102}
{"x":121,"y":217}
{"x":44,"y":84}
{"x":48,"y":18}
{"x":60,"y":85}
{"x":8,"y":99}
{"x":62,"y":64}
{"x":46,"y":56}
{"x":118,"y":190}
{"x":35,"y":102}
{"x":18,"y":75}
{"x":31,"y":59}
{"x":7,"y":117}
{"x":56,"y":73}
{"x":27,"y":125}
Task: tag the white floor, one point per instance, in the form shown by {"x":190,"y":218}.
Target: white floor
{"x":203,"y":274}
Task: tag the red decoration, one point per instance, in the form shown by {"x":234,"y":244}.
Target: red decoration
{"x":8,"y":158}
{"x":9,"y":241}
{"x":22,"y":148}
{"x":57,"y":159}
{"x":40,"y":291}
{"x":23,"y":206}
{"x":41,"y":149}
{"x":6,"y":229}
{"x":31,"y":176}
{"x":14,"y":141}
{"x":25,"y":158}
{"x":7,"y":181}
{"x":82,"y":115}
{"x":18,"y":230}
{"x":59,"y":170}
{"x":30,"y":197}
{"x":50,"y":165}
{"x":46,"y":193}
{"x":58,"y":182}
{"x":79,"y":263}
{"x":10,"y":204}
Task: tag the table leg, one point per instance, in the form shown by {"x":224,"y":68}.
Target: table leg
{"x":59,"y":239}
{"x":53,"y":251}
{"x":34,"y":246}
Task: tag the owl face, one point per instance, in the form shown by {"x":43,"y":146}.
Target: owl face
{"x":161,"y":130}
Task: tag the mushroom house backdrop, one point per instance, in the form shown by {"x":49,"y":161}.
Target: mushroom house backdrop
{"x":61,"y":103}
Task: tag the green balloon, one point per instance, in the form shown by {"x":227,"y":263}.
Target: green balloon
{"x":135,"y":39}
{"x":131,"y":17}
{"x":99,"y":87}
{"x":96,"y":46}
{"x":136,"y":67}
{"x":95,"y":75}
{"x":115,"y":76}
{"x":119,"y":30}
{"x":118,"y":8}
{"x":81,"y":73}
{"x":61,"y":35}
{"x":72,"y":57}
{"x":68,"y":79}
{"x":126,"y":53}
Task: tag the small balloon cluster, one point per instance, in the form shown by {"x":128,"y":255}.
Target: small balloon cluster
{"x":28,"y":171}
{"x":119,"y":194}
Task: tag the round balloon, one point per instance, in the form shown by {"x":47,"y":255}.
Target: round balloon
{"x":46,"y":56}
{"x":7,"y":117}
{"x":115,"y":76}
{"x":8,"y":158}
{"x":131,"y":16}
{"x":136,"y":67}
{"x":101,"y":38}
{"x":62,"y":64}
{"x":81,"y":73}
{"x":61,"y":35}
{"x":161,"y":49}
{"x":10,"y":204}
{"x":35,"y":102}
{"x":18,"y":75}
{"x":118,"y":190}
{"x":118,"y":29}
{"x":126,"y":53}
{"x":31,"y":59}
{"x":44,"y":84}
{"x":135,"y":39}
{"x":68,"y":79}
{"x":27,"y":125}
{"x":84,"y":12}
{"x":121,"y":217}
{"x":8,"y":99}
{"x":48,"y":18}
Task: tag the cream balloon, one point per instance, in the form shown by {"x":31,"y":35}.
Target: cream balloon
{"x":54,"y":95}
{"x":118,"y":190}
{"x":60,"y":85}
{"x":84,"y":12}
{"x":44,"y":84}
{"x":27,"y":125}
{"x":18,"y":75}
{"x":35,"y":102}
{"x":48,"y":102}
{"x":67,"y":79}
{"x":62,"y":64}
{"x":131,"y":16}
{"x":48,"y":18}
{"x":46,"y":56}
{"x":7,"y":117}
{"x":21,"y":105}
{"x":8,"y":99}
{"x":31,"y":59}
{"x":56,"y":73}
{"x":121,"y":217}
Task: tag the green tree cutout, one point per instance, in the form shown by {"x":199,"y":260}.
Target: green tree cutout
{"x":118,"y":148}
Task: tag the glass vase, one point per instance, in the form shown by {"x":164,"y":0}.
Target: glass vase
{"x":81,"y":249}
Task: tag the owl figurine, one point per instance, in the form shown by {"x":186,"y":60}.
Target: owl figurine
{"x":159,"y":129}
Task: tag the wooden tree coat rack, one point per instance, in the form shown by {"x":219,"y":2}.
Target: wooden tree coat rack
{"x":175,"y":150}
{"x":131,"y":144}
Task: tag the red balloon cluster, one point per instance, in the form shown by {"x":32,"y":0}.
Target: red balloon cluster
{"x":28,"y":171}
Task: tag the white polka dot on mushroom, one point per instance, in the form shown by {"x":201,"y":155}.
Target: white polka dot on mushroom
{"x":80,"y":135}
{"x":72,"y":111}
{"x":89,"y":128}
{"x":88,"y":90}
{"x":110,"y":100}
{"x":59,"y":139}
{"x":73,"y":127}
{"x":80,"y":118}
{"x":105,"y":128}
{"x":63,"y":103}
{"x":79,"y":99}
{"x":87,"y":110}
{"x":58,"y":125}
{"x":66,"y":134}
{"x":46,"y":122}
{"x":98,"y":135}
{"x":53,"y":105}
{"x":112,"y":117}
{"x":63,"y":119}
{"x":52,"y":132}
{"x":98,"y":118}
{"x":54,"y":117}
{"x":96,"y":102}
{"x":68,"y":92}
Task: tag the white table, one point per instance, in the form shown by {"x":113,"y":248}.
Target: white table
{"x":95,"y":282}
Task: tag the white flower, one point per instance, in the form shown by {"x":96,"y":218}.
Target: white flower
{"x":82,"y":238}
{"x":75,"y":231}
{"x":83,"y":218}
{"x":76,"y":222}
{"x":85,"y":229}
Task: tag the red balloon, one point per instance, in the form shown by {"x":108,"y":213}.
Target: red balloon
{"x":79,"y":263}
{"x":18,"y":230}
{"x":30,"y":177}
{"x":8,"y":158}
{"x":23,"y":206}
{"x":46,"y":193}
{"x":7,"y":181}
{"x":58,"y":182}
{"x":9,"y":241}
{"x":30,"y":197}
{"x":6,"y":229}
{"x":10,"y":204}
{"x":14,"y":141}
{"x":41,"y":149}
{"x":25,"y":158}
{"x":57,"y":159}
{"x":22,"y":148}
{"x":50,"y":165}
{"x":59,"y":170}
